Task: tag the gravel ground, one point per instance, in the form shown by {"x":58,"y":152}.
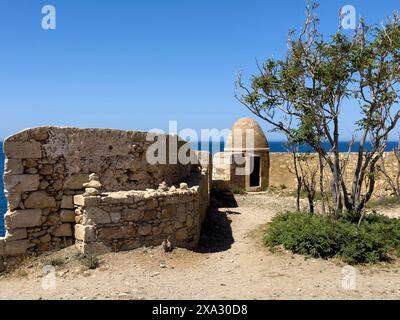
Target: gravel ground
{"x":231,"y":263}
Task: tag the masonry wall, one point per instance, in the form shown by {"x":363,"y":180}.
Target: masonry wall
{"x":46,"y":167}
{"x":282,"y":171}
{"x":120,"y":221}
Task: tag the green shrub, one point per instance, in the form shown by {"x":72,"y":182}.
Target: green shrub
{"x":56,"y":262}
{"x":377,"y":239}
{"x":238,"y":190}
{"x":90,"y":261}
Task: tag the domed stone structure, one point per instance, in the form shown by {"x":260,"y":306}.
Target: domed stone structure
{"x":244,"y":164}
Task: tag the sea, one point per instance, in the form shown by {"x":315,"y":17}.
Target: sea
{"x":275,"y":146}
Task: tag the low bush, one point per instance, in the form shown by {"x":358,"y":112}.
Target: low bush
{"x":90,"y":261}
{"x":238,"y":190}
{"x":377,"y":238}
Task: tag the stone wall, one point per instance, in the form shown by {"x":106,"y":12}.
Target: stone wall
{"x":282,"y":171}
{"x":47,"y":166}
{"x":120,"y":221}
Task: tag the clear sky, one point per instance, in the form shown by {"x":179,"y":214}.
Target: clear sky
{"x":138,"y":64}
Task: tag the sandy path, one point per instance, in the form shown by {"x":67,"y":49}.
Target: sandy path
{"x":238,"y":267}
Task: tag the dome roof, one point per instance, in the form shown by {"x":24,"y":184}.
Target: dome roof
{"x":238,"y":140}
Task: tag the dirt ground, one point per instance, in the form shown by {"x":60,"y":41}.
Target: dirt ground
{"x":231,"y":264}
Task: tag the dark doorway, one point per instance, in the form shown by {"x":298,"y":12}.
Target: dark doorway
{"x":255,"y":175}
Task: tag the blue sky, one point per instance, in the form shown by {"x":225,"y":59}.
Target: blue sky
{"x":138,"y":64}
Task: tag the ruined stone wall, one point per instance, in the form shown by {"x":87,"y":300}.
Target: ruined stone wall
{"x":120,"y":221}
{"x":282,"y":171}
{"x":46,"y":167}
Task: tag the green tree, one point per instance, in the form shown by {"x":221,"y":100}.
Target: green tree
{"x":303,"y":94}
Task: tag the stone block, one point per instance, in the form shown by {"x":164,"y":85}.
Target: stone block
{"x":111,"y":233}
{"x":2,"y":245}
{"x":115,"y":217}
{"x":63,"y":230}
{"x":152,"y":204}
{"x":119,"y":198}
{"x":40,"y":200}
{"x":39,"y":134}
{"x":85,"y":233}
{"x":45,"y":239}
{"x":23,"y":218}
{"x":16,"y":234}
{"x":14,"y":200}
{"x":76,"y":181}
{"x":46,"y":170}
{"x":15,"y":248}
{"x":150,"y":215}
{"x":23,"y":149}
{"x":13,"y":166}
{"x":97,"y":215}
{"x":67,"y":215}
{"x":21,"y":183}
{"x":67,"y":202}
{"x":85,"y":201}
{"x":169,"y":212}
{"x":181,"y":234}
{"x":97,"y":248}
{"x":132,"y":214}
{"x":130,"y":245}
{"x":189,"y":221}
{"x":144,"y":230}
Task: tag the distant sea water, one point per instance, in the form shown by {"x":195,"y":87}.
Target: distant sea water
{"x":275,"y":146}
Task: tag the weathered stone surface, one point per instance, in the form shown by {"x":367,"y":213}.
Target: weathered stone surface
{"x":13,"y":166}
{"x":118,"y":197}
{"x":76,"y":181}
{"x":115,"y":217}
{"x":91,"y":192}
{"x":21,"y":183}
{"x":130,"y":245}
{"x":14,"y":200}
{"x":45,"y":239}
{"x":189,"y":221}
{"x":18,"y":247}
{"x":16,"y":234}
{"x":144,"y":230}
{"x":67,"y":215}
{"x":183,"y":186}
{"x":30,"y":163}
{"x":53,"y":219}
{"x":93,"y":184}
{"x":67,"y":202}
{"x":40,"y":200}
{"x":63,"y":230}
{"x":109,"y":233}
{"x":85,"y":233}
{"x":23,"y":218}
{"x":150,"y":215}
{"x":97,"y":248}
{"x":181,"y":213}
{"x":169,"y":212}
{"x":85,"y":201}
{"x":47,"y":169}
{"x":181,"y":234}
{"x":2,"y":245}
{"x":40,"y":134}
{"x":133,"y":214}
{"x":22,"y":149}
{"x":126,"y":219}
{"x":97,"y":215}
